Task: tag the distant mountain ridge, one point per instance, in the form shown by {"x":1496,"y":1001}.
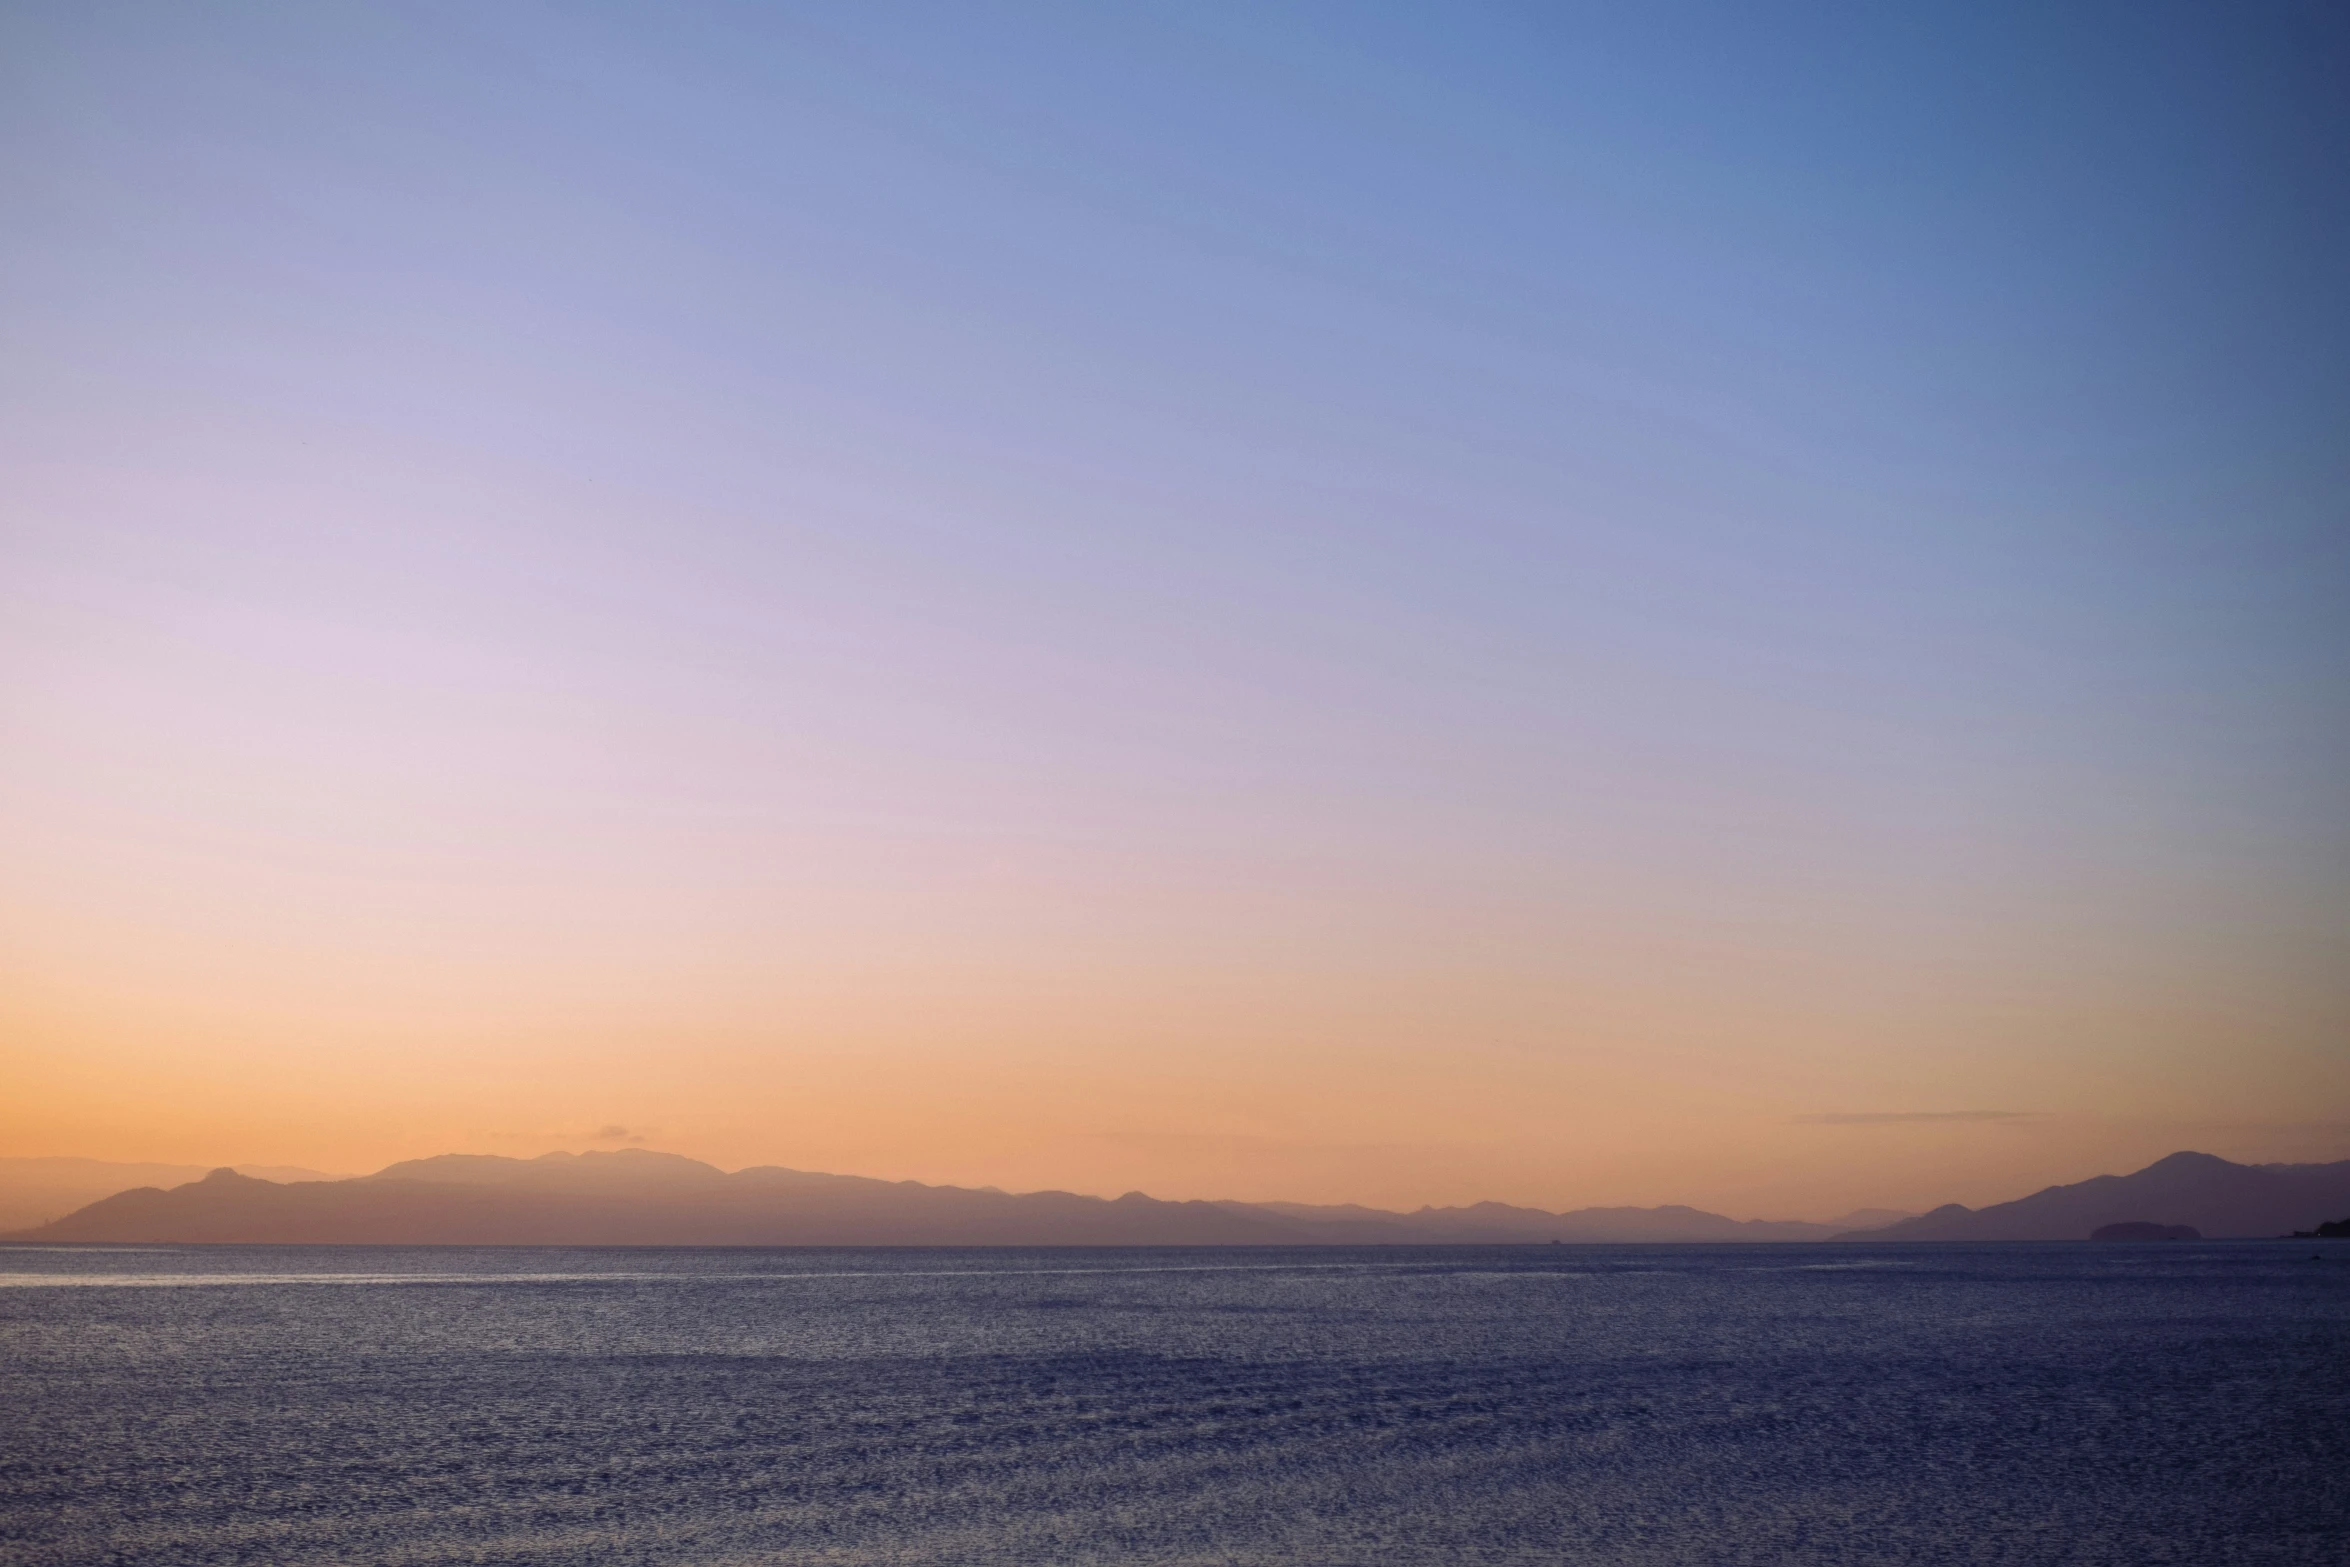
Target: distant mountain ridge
{"x":2212,"y":1195}
{"x":641,"y":1197}
{"x":36,"y":1190}
{"x":637,"y":1197}
{"x":1501,"y":1222}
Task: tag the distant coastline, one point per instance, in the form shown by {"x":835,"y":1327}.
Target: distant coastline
{"x":638,"y":1197}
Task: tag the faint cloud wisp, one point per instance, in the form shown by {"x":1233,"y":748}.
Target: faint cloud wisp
{"x":1909,"y":1117}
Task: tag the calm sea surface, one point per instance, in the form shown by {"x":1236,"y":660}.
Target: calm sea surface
{"x":1588,"y":1405}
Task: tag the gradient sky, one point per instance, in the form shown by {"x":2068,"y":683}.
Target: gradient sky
{"x":1745,"y":605}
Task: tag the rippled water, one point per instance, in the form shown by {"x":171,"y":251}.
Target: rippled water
{"x":1574,"y":1405}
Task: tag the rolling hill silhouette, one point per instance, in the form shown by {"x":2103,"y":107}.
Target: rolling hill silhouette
{"x":36,"y":1190}
{"x":2214,"y":1196}
{"x":637,"y":1197}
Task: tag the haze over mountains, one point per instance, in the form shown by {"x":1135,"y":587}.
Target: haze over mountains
{"x":34,"y":1191}
{"x":639,"y":1197}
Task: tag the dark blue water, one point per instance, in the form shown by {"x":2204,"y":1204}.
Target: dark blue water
{"x":1671,"y":1405}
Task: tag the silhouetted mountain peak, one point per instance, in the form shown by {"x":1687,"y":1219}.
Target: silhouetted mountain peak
{"x":2186,"y":1161}
{"x":616,"y":1158}
{"x":2187,"y":1190}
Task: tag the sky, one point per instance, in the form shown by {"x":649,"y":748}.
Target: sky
{"x":1573,"y":604}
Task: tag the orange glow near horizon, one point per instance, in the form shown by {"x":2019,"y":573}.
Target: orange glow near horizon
{"x":1140,"y":1033}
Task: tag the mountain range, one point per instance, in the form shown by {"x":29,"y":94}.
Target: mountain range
{"x":640,"y":1197}
{"x":2212,"y":1195}
{"x":34,"y":1191}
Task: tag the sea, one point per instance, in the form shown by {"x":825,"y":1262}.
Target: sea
{"x":1697,"y":1406}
